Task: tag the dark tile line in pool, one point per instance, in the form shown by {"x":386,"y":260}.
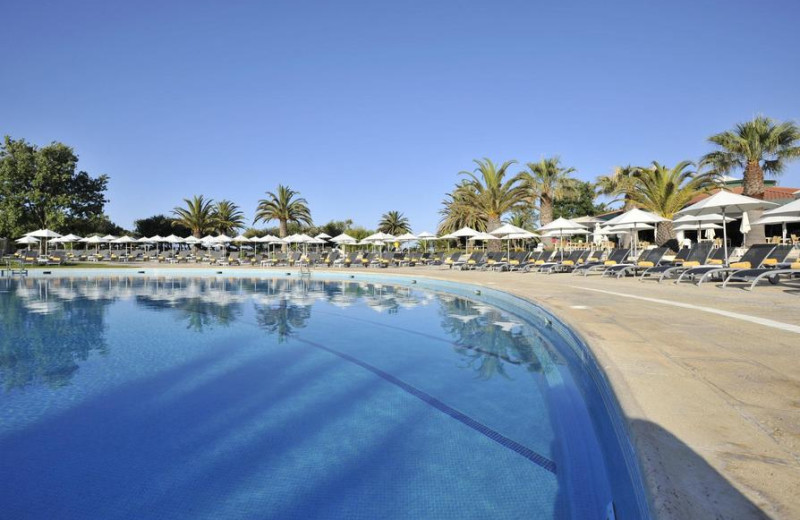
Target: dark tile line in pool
{"x":536,"y":458}
{"x":424,"y":335}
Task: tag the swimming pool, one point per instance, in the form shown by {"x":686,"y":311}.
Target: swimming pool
{"x":202,"y":395}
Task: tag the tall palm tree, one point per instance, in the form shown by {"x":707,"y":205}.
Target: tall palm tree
{"x":394,"y":223}
{"x":618,"y":184}
{"x":228,"y":217}
{"x":494,"y":194}
{"x":460,"y":209}
{"x":547,"y":181}
{"x":284,"y":206}
{"x":756,"y":147}
{"x":664,"y":191}
{"x":197,"y":216}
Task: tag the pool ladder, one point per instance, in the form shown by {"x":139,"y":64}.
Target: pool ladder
{"x":305,"y":270}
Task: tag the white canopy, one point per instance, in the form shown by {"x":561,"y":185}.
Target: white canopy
{"x":156,"y":238}
{"x":725,"y":202}
{"x":241,"y":238}
{"x":636,"y":216}
{"x":173,"y":239}
{"x":27,"y":240}
{"x":692,"y":227}
{"x":66,"y":239}
{"x":483,"y":236}
{"x":406,"y":237}
{"x":94,"y":239}
{"x":465,"y":231}
{"x":145,"y":239}
{"x":711,"y":217}
{"x":507,"y":229}
{"x":375,"y":237}
{"x":110,"y":237}
{"x":222,"y":239}
{"x":323,"y":236}
{"x":630,"y":227}
{"x":520,"y":236}
{"x":792,"y":208}
{"x":191,"y":239}
{"x":344,"y":238}
{"x":43,"y":233}
{"x":125,"y":239}
{"x":426,"y":236}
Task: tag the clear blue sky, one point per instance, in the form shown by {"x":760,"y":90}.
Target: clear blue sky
{"x":371,"y":106}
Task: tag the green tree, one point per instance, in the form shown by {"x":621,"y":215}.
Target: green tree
{"x":579,"y":202}
{"x":336,"y":227}
{"x":524,"y":217}
{"x":664,"y":191}
{"x":228,"y":218}
{"x":40,"y":188}
{"x":394,"y":223}
{"x":546,"y":182}
{"x":284,"y":206}
{"x":756,"y":147}
{"x":158,"y":225}
{"x":618,"y":184}
{"x":197,"y":216}
{"x":460,"y":209}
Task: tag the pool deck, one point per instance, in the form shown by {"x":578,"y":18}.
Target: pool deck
{"x":708,"y":380}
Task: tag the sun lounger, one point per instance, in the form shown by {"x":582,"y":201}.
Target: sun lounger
{"x":687,"y":257}
{"x":615,"y":257}
{"x":772,"y":266}
{"x":752,"y":258}
{"x":567,"y":261}
{"x":648,"y":259}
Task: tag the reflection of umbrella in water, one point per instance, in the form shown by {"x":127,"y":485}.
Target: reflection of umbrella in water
{"x":462,"y":318}
{"x":507,"y":326}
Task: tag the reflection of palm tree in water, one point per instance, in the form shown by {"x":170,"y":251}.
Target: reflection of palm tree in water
{"x":489,"y":347}
{"x":283,"y":318}
{"x":47,"y":347}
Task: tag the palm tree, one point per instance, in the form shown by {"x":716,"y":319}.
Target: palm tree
{"x":493,"y":194}
{"x":284,"y":207}
{"x":619,"y":183}
{"x":394,"y":223}
{"x":664,"y":191}
{"x":460,"y":209}
{"x":547,"y":181}
{"x":197,"y":216}
{"x":756,"y":147}
{"x":228,"y":217}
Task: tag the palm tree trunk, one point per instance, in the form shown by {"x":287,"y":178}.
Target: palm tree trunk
{"x":282,"y":233}
{"x":545,"y":210}
{"x":753,"y":186}
{"x":664,"y":233}
{"x":493,"y":223}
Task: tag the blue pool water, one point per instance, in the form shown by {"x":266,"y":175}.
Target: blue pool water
{"x":174,"y":397}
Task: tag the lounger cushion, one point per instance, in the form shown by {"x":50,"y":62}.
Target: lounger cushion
{"x":795,"y":265}
{"x":609,"y":262}
{"x":770,"y":261}
{"x":646,"y":264}
{"x":714,"y":261}
{"x":690,"y":264}
{"x":539,"y":262}
{"x":741,"y":265}
{"x":568,"y":262}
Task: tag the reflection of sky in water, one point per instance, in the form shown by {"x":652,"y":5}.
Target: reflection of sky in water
{"x":279,"y":350}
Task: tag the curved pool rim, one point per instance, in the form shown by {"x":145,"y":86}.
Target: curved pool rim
{"x":520,"y":305}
